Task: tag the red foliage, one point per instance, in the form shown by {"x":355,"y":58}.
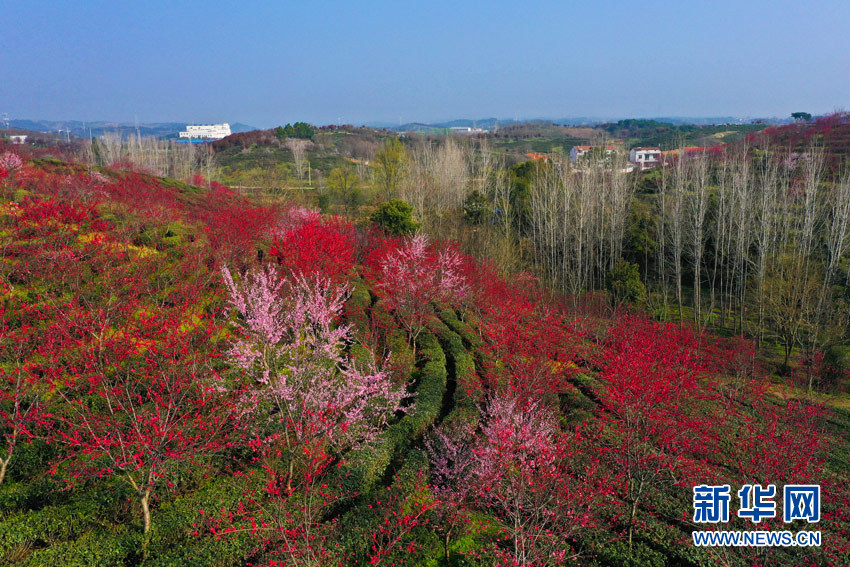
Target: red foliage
{"x":831,"y":131}
{"x":146,"y":198}
{"x":780,"y":442}
{"x":41,"y":215}
{"x":316,"y":247}
{"x":658,"y":406}
{"x":530,"y":349}
{"x":125,"y":364}
{"x":134,"y":388}
{"x":535,"y":479}
{"x":401,"y":514}
{"x":532,"y":352}
{"x":20,"y":391}
{"x":42,"y":242}
{"x":282,"y":507}
{"x":122,"y":341}
{"x":234,"y":226}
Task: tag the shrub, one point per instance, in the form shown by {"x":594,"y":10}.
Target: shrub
{"x":624,"y":283}
{"x":395,"y":217}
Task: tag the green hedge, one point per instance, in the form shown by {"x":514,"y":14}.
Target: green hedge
{"x":463,"y":364}
{"x":357,"y":306}
{"x":402,"y":358}
{"x":432,"y":385}
{"x":366,"y":466}
{"x":463,"y":328}
{"x":95,"y":549}
{"x":99,"y":523}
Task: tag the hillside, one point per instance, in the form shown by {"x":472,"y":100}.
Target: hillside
{"x":334,"y":146}
{"x":670,"y":136}
{"x":191,"y":378}
{"x":831,"y":132}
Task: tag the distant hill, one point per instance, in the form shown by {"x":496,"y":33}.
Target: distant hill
{"x":82,"y":129}
{"x":485,"y":123}
{"x":416,"y":127}
{"x":238,"y":128}
{"x":489,"y":123}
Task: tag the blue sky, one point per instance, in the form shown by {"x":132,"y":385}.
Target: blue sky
{"x":265,"y":63}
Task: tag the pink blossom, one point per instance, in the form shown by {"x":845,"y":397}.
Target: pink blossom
{"x":11,"y":161}
{"x":514,"y":467}
{"x":292,"y":345}
{"x":413,"y":276}
{"x":296,"y":216}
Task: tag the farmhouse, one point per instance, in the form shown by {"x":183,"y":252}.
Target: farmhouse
{"x":645,"y":158}
{"x":579,"y":151}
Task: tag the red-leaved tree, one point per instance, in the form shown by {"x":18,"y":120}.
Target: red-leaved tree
{"x":658,"y":407}
{"x":323,"y":247}
{"x":20,"y":391}
{"x":135,"y":391}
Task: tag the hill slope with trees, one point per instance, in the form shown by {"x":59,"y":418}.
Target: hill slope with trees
{"x":188,"y":377}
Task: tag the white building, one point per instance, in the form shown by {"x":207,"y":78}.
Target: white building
{"x":645,"y":158}
{"x":579,"y":151}
{"x":18,"y":139}
{"x":206,"y":131}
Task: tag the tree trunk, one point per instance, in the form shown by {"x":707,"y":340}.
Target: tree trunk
{"x":289,"y":488}
{"x":146,"y":513}
{"x":3,"y":465}
{"x":698,"y":291}
{"x":633,"y":513}
{"x":632,"y":521}
{"x":516,"y":538}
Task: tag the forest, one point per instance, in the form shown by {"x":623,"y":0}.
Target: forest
{"x":325,"y":346}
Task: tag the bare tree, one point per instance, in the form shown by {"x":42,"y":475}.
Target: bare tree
{"x":159,"y":157}
{"x":416,"y":184}
{"x":697,"y":173}
{"x":503,"y":247}
{"x":791,"y":290}
{"x":298,"y":147}
{"x":676,"y":224}
{"x":551,"y":212}
{"x":766,"y":229}
{"x":578,"y":222}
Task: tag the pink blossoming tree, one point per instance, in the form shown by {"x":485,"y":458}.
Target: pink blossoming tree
{"x":414,"y":275}
{"x":519,"y":468}
{"x":308,"y":402}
